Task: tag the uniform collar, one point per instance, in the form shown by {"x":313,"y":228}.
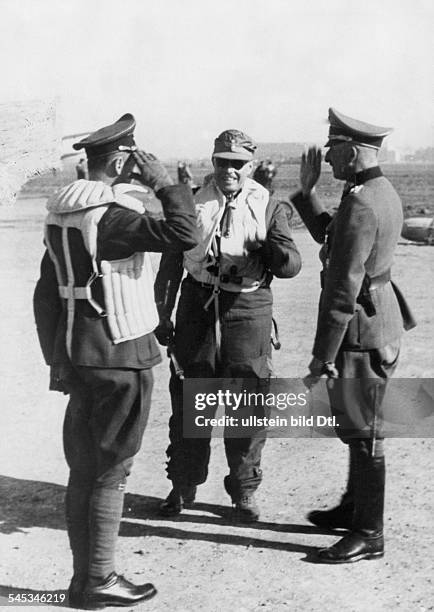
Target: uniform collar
{"x":367,"y":175}
{"x":360,"y":178}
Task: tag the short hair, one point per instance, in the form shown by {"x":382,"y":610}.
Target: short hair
{"x":99,"y":162}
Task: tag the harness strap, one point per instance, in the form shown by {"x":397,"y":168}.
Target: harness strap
{"x":76,"y":293}
{"x":70,"y":292}
{"x":214,"y":297}
{"x":82,"y":293}
{"x":70,"y":302}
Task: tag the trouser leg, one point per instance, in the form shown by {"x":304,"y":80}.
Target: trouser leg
{"x":246,"y":355}
{"x":359,"y":396}
{"x":195,"y":349}
{"x":188,"y":458}
{"x":244,"y":458}
{"x":103,"y":429}
{"x":80,"y":456}
{"x":356,"y":402}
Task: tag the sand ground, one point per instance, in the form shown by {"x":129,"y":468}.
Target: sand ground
{"x":200,"y":560}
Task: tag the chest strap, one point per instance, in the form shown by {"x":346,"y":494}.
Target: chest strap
{"x":214,"y":297}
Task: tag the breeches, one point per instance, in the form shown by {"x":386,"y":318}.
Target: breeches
{"x":356,"y":397}
{"x":104,"y":424}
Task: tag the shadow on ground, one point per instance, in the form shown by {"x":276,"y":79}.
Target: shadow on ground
{"x":28,"y":503}
{"x":143,"y":508}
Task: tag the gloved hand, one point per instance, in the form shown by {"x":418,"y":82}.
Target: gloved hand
{"x":164,"y":332}
{"x":152,"y":172}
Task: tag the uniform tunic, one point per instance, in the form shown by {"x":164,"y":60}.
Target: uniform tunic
{"x":361,"y":312}
{"x":109,"y":383}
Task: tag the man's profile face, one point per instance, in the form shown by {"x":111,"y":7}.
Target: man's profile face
{"x":230,"y":174}
{"x":340,"y":156}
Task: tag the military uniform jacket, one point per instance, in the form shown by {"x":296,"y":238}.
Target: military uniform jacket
{"x":360,"y":308}
{"x":276,"y":251}
{"x":121,"y":233}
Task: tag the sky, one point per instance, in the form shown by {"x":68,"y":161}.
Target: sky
{"x":188,"y":69}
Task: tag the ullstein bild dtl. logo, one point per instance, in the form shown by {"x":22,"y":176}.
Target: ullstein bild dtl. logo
{"x":286,"y":408}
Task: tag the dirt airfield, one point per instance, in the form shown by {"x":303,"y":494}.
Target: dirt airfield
{"x":200,"y":560}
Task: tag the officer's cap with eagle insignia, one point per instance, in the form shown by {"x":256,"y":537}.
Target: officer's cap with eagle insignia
{"x":107,"y":139}
{"x":347,"y":129}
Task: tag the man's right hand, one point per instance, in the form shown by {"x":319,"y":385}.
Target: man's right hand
{"x":62,"y":377}
{"x":152,"y":172}
{"x":164,"y":332}
{"x":310,"y":169}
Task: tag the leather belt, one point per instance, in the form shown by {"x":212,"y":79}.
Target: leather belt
{"x":192,"y":280}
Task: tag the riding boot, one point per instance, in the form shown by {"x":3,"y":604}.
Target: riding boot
{"x":341,"y":516}
{"x":365,"y":541}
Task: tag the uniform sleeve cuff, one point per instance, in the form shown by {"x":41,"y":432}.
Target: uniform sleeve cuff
{"x":328,"y":342}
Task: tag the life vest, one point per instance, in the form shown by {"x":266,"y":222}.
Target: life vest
{"x":127,"y":283}
{"x":240,"y":267}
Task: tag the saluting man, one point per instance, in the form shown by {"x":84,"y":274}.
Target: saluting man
{"x":95,"y":313}
{"x":224,"y":315}
{"x":361,"y":318}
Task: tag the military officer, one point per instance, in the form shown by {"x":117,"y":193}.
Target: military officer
{"x":95,"y":312}
{"x":361,"y":318}
{"x":224,"y":315}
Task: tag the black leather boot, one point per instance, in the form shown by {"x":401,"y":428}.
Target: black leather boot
{"x":353,"y":547}
{"x":341,"y":516}
{"x":366,"y":538}
{"x":178,"y":499}
{"x":115,"y":590}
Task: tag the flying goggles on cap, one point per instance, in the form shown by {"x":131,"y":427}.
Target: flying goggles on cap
{"x":234,"y":144}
